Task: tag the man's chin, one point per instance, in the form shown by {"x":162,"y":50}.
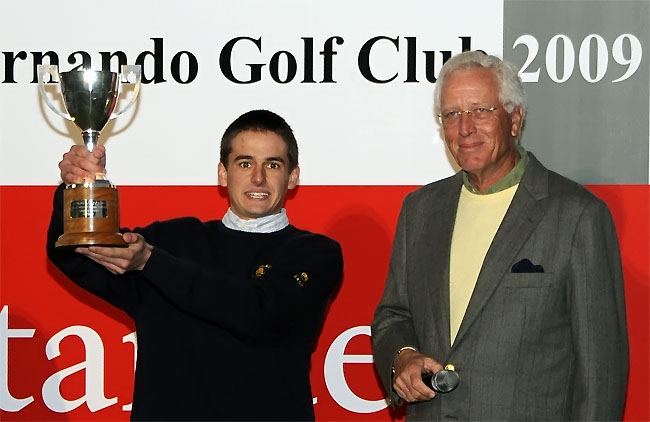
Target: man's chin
{"x":470,"y":165}
{"x":259,"y":213}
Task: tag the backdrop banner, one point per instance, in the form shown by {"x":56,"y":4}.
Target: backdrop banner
{"x":355,"y":81}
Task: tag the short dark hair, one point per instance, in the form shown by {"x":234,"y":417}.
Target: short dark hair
{"x":260,"y":121}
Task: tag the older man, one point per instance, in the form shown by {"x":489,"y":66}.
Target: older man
{"x":223,"y":304}
{"x":507,"y":270}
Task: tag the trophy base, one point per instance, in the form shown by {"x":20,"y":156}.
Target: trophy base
{"x":69,"y":240}
{"x":91,"y":216}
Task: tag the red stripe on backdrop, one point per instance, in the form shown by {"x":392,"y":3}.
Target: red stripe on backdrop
{"x":361,"y":218}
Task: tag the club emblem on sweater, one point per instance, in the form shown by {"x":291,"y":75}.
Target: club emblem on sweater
{"x":262,"y":269}
{"x":301,"y":278}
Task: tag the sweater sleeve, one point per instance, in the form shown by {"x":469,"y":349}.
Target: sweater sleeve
{"x":285,"y":296}
{"x":118,"y":290}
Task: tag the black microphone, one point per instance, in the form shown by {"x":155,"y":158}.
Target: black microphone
{"x":442,"y":381}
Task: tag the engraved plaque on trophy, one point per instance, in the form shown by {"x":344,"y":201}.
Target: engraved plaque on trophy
{"x":90,"y":210}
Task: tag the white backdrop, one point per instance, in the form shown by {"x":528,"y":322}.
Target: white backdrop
{"x":351,"y":131}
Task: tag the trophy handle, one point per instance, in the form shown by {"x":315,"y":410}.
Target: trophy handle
{"x":126,"y":71}
{"x":54,"y":71}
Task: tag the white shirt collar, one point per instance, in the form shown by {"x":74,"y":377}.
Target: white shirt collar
{"x":268,"y":224}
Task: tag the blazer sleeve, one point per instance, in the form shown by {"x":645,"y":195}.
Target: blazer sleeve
{"x":598,"y":322}
{"x":392,"y":327}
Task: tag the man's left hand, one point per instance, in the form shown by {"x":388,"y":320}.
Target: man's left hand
{"x":121,"y":260}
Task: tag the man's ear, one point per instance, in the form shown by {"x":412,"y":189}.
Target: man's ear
{"x":222,"y":173}
{"x":517,"y":119}
{"x":294,"y":177}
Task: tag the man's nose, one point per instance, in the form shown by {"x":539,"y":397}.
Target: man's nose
{"x":466,"y":125}
{"x":259,"y":175}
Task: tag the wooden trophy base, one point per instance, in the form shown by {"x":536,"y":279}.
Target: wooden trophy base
{"x":91,"y":216}
{"x":90,"y":239}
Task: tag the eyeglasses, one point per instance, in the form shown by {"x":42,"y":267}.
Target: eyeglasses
{"x":478,"y":115}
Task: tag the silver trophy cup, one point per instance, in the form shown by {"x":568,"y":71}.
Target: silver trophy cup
{"x":91,"y":210}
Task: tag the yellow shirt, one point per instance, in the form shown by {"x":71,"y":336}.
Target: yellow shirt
{"x":477,"y":220}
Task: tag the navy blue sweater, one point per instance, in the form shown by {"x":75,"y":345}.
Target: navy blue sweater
{"x":220,"y":315}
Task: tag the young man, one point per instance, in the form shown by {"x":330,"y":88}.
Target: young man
{"x":226,"y":311}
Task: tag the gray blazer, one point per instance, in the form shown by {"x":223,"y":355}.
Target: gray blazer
{"x":548,"y":345}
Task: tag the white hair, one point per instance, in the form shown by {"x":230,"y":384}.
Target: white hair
{"x":511,"y":89}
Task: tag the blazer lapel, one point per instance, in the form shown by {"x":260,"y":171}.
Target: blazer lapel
{"x":434,"y":251}
{"x":520,"y":220}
